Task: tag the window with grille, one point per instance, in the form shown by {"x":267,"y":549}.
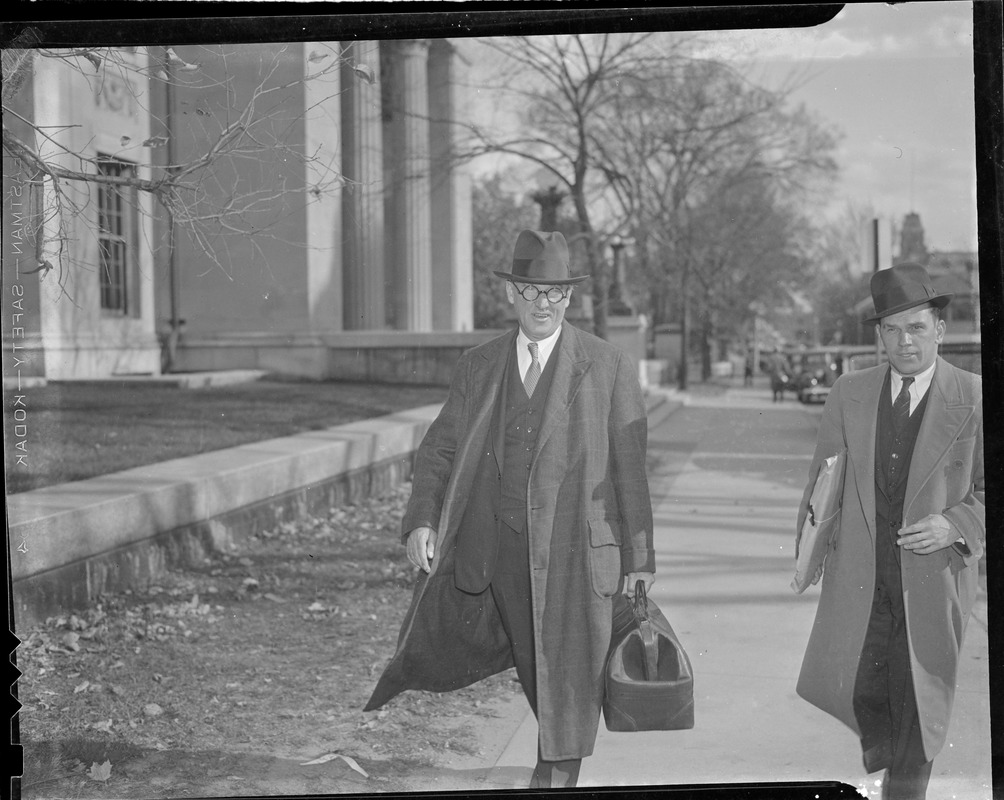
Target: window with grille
{"x":116,"y":249}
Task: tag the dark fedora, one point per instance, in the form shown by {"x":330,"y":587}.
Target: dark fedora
{"x":540,"y":257}
{"x":903,"y":287}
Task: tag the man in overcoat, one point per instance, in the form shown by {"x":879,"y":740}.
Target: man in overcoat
{"x":529,"y":512}
{"x":900,"y":578}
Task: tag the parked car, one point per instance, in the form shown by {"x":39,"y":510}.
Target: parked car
{"x":815,"y":371}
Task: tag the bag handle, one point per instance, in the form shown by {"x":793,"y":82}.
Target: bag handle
{"x":648,"y":637}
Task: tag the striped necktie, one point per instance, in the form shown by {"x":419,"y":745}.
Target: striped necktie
{"x":901,"y":405}
{"x":533,"y":373}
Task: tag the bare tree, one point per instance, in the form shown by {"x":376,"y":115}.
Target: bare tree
{"x":754,"y":250}
{"x":498,"y":219}
{"x":204,"y":193}
{"x":839,"y":281}
{"x":679,"y":149}
{"x":564,"y":87}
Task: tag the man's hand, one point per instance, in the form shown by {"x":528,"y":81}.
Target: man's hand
{"x":422,"y":547}
{"x":932,"y":533}
{"x":632,"y":578}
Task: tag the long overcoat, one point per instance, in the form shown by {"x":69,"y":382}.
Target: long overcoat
{"x":939,"y":589}
{"x":589,"y":519}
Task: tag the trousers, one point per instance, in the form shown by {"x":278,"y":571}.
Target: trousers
{"x":885,"y":705}
{"x":510,"y":588}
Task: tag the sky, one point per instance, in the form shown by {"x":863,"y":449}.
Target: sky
{"x":897,"y":82}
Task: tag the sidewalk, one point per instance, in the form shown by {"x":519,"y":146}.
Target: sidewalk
{"x":724,"y":539}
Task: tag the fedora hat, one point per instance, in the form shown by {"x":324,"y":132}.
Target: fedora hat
{"x":540,"y":257}
{"x":902,"y":287}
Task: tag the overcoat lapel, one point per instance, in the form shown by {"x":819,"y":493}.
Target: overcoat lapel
{"x":487,"y":375}
{"x":863,"y":403}
{"x":571,"y":366}
{"x":947,"y":412}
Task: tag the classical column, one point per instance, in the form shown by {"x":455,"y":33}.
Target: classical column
{"x":362,"y":205}
{"x":452,"y":269}
{"x":321,"y":121}
{"x":406,"y":148}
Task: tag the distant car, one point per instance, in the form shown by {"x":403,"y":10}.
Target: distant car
{"x":815,"y":372}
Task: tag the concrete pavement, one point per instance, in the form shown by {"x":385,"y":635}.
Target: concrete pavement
{"x":725,"y":496}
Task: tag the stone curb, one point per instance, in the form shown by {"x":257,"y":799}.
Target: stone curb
{"x":72,"y":542}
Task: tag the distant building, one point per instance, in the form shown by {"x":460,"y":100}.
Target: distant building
{"x":387,"y":254}
{"x":911,"y":240}
{"x":956,"y":272}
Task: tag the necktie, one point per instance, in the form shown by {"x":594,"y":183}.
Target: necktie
{"x":901,"y":405}
{"x":533,"y":373}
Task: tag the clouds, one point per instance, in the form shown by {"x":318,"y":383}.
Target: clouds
{"x":861,"y":30}
{"x":898,"y":82}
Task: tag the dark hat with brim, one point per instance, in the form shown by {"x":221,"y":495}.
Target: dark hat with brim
{"x":540,"y":257}
{"x":903,"y":287}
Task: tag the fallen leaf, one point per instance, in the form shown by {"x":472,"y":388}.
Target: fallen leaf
{"x":81,"y":687}
{"x":101,"y":772}
{"x":152,"y":710}
{"x":331,"y":757}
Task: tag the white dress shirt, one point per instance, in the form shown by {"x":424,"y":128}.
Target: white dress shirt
{"x":544,"y":349}
{"x":921,"y":383}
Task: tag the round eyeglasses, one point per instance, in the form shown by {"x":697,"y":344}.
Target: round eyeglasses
{"x":554,"y":294}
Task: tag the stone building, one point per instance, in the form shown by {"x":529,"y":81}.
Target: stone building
{"x":92,"y":312}
{"x":311,"y":282}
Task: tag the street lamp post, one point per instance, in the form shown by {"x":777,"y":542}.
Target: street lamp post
{"x":617,"y":296}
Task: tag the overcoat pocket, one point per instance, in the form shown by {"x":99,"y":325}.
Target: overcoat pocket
{"x":604,"y":558}
{"x":958,"y":469}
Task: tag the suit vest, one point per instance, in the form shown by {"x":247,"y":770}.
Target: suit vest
{"x":523,"y":416}
{"x":893,"y":453}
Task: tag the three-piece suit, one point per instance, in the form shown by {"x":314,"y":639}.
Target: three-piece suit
{"x":586,"y":517}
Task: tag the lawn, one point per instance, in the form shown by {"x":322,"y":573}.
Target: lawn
{"x":75,"y":431}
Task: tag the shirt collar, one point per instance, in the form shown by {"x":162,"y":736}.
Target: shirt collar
{"x":544,"y":346}
{"x":921,"y":382}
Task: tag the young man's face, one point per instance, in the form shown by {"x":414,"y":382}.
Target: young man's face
{"x":538,"y":318}
{"x":911,"y":339}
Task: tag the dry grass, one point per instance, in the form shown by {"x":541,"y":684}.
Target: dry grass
{"x":77,"y":431}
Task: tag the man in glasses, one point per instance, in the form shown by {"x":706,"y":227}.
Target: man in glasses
{"x":529,"y":513}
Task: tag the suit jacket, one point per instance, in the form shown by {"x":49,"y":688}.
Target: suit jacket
{"x":939,"y":589}
{"x":589,"y":522}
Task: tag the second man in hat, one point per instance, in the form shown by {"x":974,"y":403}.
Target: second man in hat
{"x":900,"y":580}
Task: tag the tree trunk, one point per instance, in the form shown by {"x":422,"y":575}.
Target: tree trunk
{"x":684,"y":325}
{"x":600,"y":293}
{"x":707,"y":333}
